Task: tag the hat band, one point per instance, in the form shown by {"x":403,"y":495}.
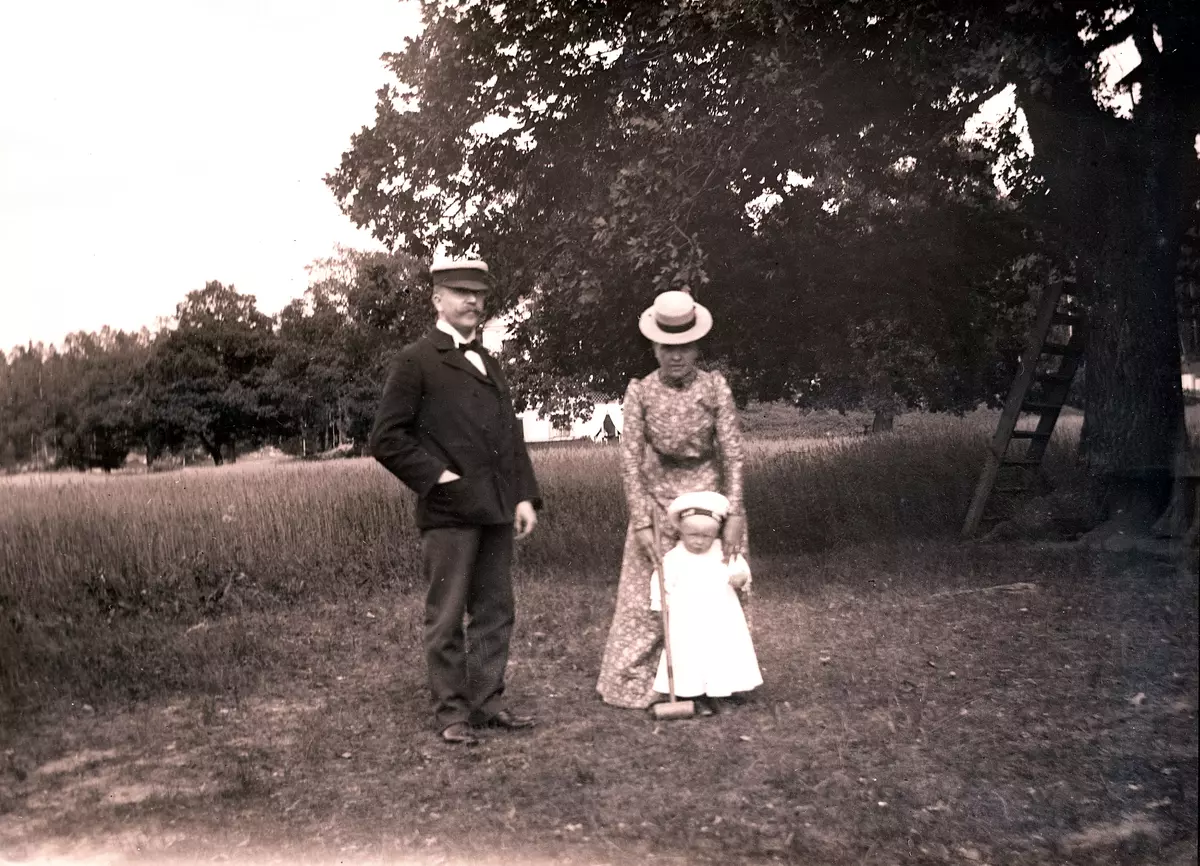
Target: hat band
{"x":676,"y":329}
{"x":692,"y":512}
{"x":454,"y":277}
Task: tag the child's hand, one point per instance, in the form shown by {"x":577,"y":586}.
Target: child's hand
{"x":739,"y":580}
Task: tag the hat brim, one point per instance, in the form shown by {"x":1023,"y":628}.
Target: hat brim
{"x":651,"y":331}
{"x":468,"y":277}
{"x":466,"y":284}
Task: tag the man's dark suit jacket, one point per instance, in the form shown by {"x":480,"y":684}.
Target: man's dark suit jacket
{"x":437,"y":412}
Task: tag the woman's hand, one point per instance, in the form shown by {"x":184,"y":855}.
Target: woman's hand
{"x":733,"y":536}
{"x":645,"y":540}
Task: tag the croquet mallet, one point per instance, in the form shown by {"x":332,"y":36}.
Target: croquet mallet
{"x":674,"y":709}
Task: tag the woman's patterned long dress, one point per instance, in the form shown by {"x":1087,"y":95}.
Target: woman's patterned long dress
{"x":677,"y":439}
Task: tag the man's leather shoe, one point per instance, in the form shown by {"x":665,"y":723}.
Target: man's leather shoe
{"x":459,"y":734}
{"x":510,"y":721}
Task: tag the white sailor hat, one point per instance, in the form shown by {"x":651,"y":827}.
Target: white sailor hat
{"x":704,"y":502}
{"x":675,"y":319}
{"x":469,"y":274}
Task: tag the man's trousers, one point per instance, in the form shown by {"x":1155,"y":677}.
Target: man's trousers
{"x":468,"y":572}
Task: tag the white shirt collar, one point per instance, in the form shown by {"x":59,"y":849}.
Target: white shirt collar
{"x":446,"y":328}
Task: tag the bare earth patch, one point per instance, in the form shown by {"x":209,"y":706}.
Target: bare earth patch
{"x":911,"y":715}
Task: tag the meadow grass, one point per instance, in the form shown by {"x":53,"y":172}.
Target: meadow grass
{"x":296,"y":527}
{"x":92,"y":566}
{"x":247,"y":644}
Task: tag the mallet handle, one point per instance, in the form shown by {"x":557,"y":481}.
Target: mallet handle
{"x":656,"y":558}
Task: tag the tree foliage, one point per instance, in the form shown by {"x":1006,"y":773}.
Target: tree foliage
{"x":101,"y":416}
{"x":802,"y":168}
{"x":779,"y":169}
{"x":211,"y":378}
{"x":336,"y":341}
{"x":222,"y":376}
{"x":76,"y":406}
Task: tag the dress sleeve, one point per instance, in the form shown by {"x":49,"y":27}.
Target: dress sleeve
{"x":729,"y":443}
{"x":633,"y":446}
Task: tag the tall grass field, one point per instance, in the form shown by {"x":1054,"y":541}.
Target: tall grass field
{"x":225,"y":664}
{"x":87,"y":561}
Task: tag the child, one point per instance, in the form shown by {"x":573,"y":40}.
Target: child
{"x":711,"y":649}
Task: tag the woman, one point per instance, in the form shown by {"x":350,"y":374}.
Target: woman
{"x":681,"y":435}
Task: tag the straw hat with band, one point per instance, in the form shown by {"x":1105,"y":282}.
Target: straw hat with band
{"x":675,"y":319}
{"x":470,"y":275}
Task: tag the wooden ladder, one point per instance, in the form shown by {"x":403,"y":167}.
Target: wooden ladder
{"x":1040,"y":389}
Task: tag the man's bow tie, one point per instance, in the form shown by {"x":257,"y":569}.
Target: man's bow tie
{"x":473,"y":346}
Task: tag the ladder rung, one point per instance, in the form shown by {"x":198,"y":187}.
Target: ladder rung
{"x":1029,"y":406}
{"x":1059,"y":349}
{"x":1029,"y":434}
{"x":1071,"y":319}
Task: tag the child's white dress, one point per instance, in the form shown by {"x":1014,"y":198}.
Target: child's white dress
{"x":711,"y":648}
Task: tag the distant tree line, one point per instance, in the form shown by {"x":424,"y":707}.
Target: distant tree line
{"x":222,"y":376}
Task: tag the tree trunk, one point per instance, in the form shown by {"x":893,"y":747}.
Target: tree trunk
{"x":213,"y":447}
{"x":1115,"y":203}
{"x":1134,"y":396}
{"x":1134,"y":393}
{"x":881,"y":399}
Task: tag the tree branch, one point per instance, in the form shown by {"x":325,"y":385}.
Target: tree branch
{"x":1115,"y":35}
{"x":1141,"y":30}
{"x":1151,"y":63}
{"x":964,"y":111}
{"x":1136,"y":76}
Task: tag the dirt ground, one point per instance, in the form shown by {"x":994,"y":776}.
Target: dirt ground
{"x":984,"y":707}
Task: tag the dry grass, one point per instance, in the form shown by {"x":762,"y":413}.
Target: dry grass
{"x":298,"y":528}
{"x":225,"y":663}
{"x":899,"y":724}
{"x":95,"y":571}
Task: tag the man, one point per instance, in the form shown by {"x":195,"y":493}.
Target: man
{"x":447,"y":429}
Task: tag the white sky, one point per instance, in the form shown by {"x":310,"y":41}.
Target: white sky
{"x":148,"y":146}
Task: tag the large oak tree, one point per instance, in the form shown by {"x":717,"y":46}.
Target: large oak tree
{"x":601,"y":155}
{"x":598,"y":153}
